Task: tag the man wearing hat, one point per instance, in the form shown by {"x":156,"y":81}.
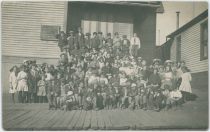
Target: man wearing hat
{"x":79,"y":39}
{"x":62,"y":40}
{"x":101,"y":39}
{"x":88,"y":41}
{"x":109,"y":40}
{"x":135,"y":45}
{"x":125,"y":45}
{"x":116,"y":42}
{"x":71,"y":39}
{"x":95,"y":41}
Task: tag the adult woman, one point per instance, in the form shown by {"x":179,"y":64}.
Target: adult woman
{"x":13,"y":82}
{"x":22,"y":87}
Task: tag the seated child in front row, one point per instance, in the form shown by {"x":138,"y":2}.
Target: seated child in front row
{"x":174,"y":99}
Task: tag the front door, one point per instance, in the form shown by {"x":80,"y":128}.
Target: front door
{"x":107,"y":22}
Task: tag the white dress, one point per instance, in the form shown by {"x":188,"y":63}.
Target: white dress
{"x":22,"y":81}
{"x":12,"y":82}
{"x":185,"y":84}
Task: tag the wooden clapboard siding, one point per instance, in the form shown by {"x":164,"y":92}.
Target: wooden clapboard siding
{"x":190,"y":49}
{"x":21,"y":22}
{"x":173,"y":51}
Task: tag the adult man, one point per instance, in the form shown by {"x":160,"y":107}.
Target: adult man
{"x":135,"y":45}
{"x":79,"y":39}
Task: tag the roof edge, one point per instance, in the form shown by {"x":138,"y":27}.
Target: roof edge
{"x":194,"y":21}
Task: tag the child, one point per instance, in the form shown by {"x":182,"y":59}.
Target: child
{"x":150,"y":102}
{"x":173,"y":99}
{"x":50,"y":88}
{"x":117,"y":97}
{"x":22,"y":86}
{"x":57,"y":90}
{"x":71,"y":39}
{"x":125,"y":45}
{"x":13,"y":82}
{"x":81,"y":95}
{"x":41,"y":93}
{"x":70,"y":101}
{"x":157,"y":100}
{"x":88,"y":99}
{"x":132,"y":94}
{"x":185,"y":86}
{"x":143,"y":98}
{"x":109,"y":41}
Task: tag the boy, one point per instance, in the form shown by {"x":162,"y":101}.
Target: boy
{"x":71,"y":43}
{"x":81,"y":95}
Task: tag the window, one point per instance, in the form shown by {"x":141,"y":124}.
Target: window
{"x":204,"y":41}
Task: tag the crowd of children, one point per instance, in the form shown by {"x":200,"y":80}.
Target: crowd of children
{"x":101,"y":73}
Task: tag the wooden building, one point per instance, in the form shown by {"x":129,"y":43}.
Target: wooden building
{"x":190,"y":43}
{"x":29,"y":28}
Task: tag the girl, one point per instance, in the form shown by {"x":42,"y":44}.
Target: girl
{"x":168,"y":77}
{"x":41,"y":89}
{"x":22,"y":87}
{"x":13,"y":82}
{"x":185,"y":86}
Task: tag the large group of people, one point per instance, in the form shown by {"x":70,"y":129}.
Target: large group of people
{"x":101,"y":73}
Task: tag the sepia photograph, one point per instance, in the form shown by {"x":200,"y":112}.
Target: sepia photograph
{"x":104,"y":65}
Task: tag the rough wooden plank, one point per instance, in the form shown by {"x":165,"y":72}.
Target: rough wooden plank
{"x":72,"y":124}
{"x":62,"y":116}
{"x":49,"y":122}
{"x":123,"y":119}
{"x":14,"y":125}
{"x":94,"y":123}
{"x":56,"y":118}
{"x":108,"y":124}
{"x":87,"y":121}
{"x":100,"y":119}
{"x":69,"y":116}
{"x":80,"y":122}
{"x":24,"y":125}
{"x":15,"y":115}
{"x":36,"y":119}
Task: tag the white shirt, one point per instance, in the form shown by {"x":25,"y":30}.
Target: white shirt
{"x":135,"y":41}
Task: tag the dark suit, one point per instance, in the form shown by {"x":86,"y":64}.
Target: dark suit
{"x":79,"y":40}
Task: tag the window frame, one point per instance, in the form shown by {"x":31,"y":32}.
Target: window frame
{"x":202,"y":26}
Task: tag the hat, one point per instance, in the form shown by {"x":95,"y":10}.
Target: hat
{"x":133,"y":85}
{"x":88,"y":99}
{"x":24,"y":61}
{"x":168,"y":61}
{"x":94,"y":33}
{"x":108,"y":34}
{"x":71,"y":31}
{"x":116,"y":33}
{"x":70,"y":93}
{"x":156,"y":60}
{"x":87,"y":34}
